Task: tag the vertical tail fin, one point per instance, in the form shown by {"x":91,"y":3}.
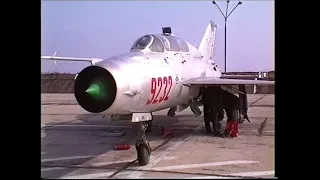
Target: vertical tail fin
{"x":207,"y":43}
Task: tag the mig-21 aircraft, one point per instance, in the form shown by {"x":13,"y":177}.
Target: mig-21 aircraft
{"x":160,"y":71}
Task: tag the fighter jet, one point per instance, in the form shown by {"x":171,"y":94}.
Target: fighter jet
{"x":160,"y":71}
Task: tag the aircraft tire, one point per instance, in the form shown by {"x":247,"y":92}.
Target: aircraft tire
{"x":143,"y":154}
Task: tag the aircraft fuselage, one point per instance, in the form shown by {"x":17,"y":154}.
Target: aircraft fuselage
{"x":149,"y":81}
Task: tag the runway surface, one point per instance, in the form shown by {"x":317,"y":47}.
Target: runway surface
{"x":79,"y":145}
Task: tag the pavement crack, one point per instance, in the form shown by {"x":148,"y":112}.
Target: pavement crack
{"x":257,"y":100}
{"x":263,"y":124}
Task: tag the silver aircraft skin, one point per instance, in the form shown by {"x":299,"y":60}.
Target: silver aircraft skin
{"x":161,"y":71}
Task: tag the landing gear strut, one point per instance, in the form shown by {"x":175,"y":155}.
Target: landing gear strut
{"x":142,"y":144}
{"x":149,"y":128}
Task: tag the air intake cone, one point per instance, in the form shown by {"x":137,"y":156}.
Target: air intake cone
{"x":93,"y":90}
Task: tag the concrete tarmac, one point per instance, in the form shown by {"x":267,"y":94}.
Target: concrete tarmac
{"x":79,"y":145}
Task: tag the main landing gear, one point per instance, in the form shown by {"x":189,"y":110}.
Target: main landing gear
{"x":141,"y":122}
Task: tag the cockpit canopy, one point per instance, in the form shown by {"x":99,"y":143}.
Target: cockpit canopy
{"x":161,"y":43}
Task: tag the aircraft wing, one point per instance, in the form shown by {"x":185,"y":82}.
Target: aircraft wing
{"x":56,"y":58}
{"x":219,"y":81}
{"x":225,"y":76}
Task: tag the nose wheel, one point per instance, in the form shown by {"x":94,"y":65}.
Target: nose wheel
{"x":142,"y":144}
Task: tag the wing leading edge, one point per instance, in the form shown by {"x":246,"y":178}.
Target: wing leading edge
{"x":218,"y":81}
{"x":56,"y":58}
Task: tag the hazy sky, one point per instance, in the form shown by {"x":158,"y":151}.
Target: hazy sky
{"x":105,"y":28}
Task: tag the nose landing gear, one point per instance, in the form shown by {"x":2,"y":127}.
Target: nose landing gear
{"x":142,"y":144}
{"x":141,"y":122}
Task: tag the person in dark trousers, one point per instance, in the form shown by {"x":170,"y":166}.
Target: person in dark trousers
{"x":243,"y":103}
{"x":212,"y":106}
{"x":221,"y":114}
{"x":231,"y":106}
{"x":206,"y":108}
{"x":237,"y":111}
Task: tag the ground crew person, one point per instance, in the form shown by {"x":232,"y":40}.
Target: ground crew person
{"x":215,"y":100}
{"x":221,"y":113}
{"x":231,"y":106}
{"x":212,"y":106}
{"x":206,"y":110}
{"x":235,"y":107}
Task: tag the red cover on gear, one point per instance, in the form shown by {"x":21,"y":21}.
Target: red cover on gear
{"x":232,"y":128}
{"x":166,"y":131}
{"x":122,"y":147}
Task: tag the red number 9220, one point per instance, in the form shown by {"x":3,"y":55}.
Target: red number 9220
{"x":160,"y":89}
